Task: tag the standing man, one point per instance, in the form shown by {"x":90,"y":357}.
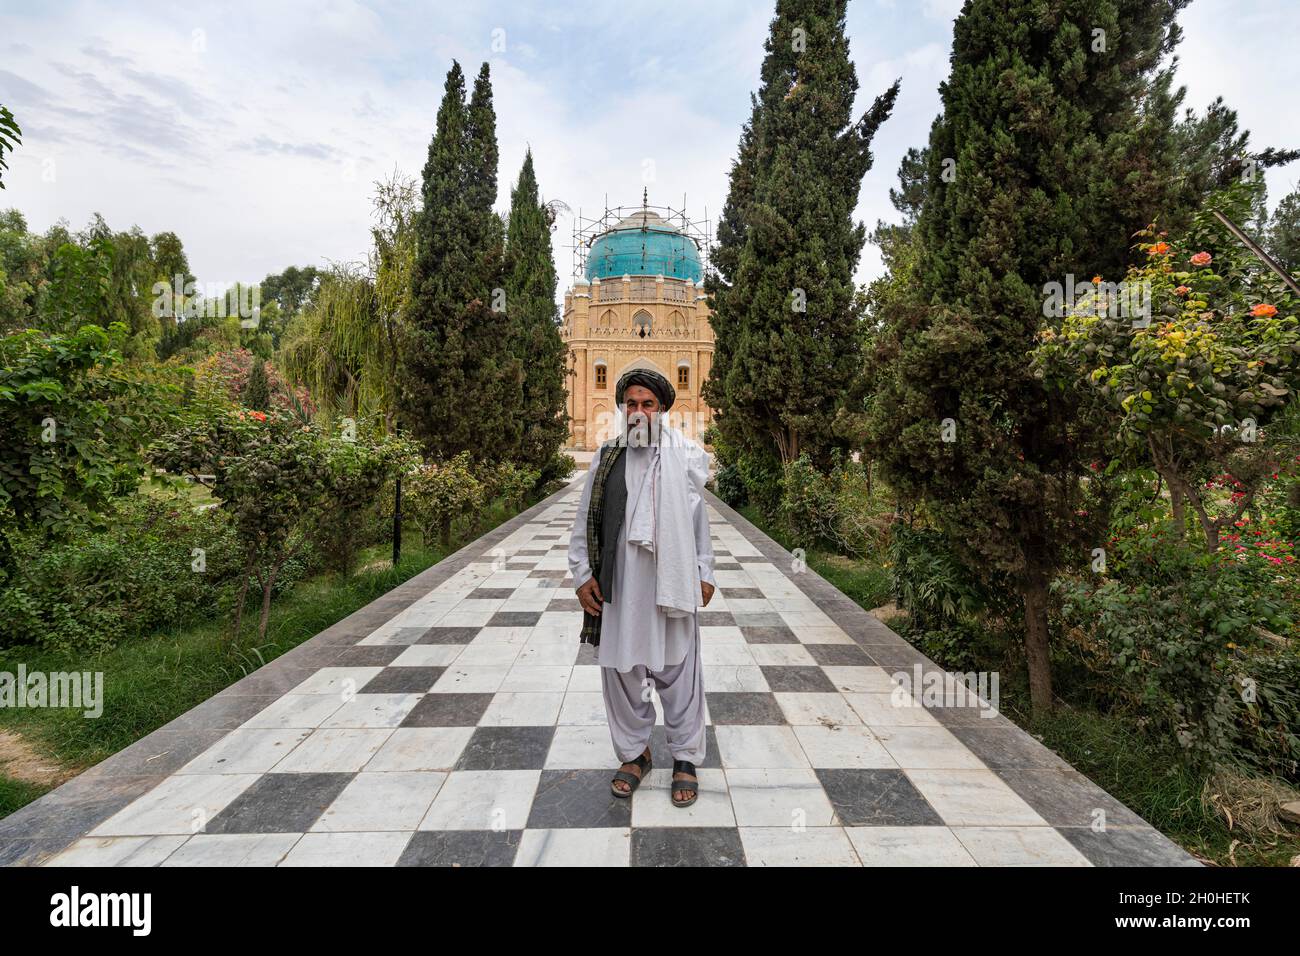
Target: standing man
{"x":642,"y":562}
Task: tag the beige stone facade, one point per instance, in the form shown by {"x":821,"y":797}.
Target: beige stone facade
{"x":653,"y":322}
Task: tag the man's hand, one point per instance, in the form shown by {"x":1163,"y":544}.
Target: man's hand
{"x":589,"y":596}
{"x":706,"y":592}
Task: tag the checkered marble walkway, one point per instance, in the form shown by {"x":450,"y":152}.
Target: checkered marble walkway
{"x":458,"y":721}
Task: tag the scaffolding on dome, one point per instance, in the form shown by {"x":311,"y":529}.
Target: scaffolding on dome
{"x":587,"y":230}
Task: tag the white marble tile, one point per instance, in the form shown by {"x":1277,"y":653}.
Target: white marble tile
{"x":829,"y":634}
{"x":585,"y":678}
{"x":973,"y":798}
{"x":118,"y":851}
{"x":537,"y":678}
{"x":483,"y":800}
{"x":787,"y":846}
{"x":522,"y":710}
{"x":182,"y":803}
{"x":421,"y":748}
{"x":846,"y":746}
{"x":253,"y":750}
{"x":1019,"y":846}
{"x":927,"y":748}
{"x":428,"y":655}
{"x":461,"y":679}
{"x":582,"y":707}
{"x":295,"y":710}
{"x":779,"y":798}
{"x":545,"y":653}
{"x":745,"y":747}
{"x":394,"y":800}
{"x":233,"y":849}
{"x":727,"y":654}
{"x":582,"y":747}
{"x":890,"y":710}
{"x":347,"y":849}
{"x":338,"y":750}
{"x":652,"y":804}
{"x":853,"y":679}
{"x":826,"y":710}
{"x":487,"y":655}
{"x":733,"y":678}
{"x":597,"y":846}
{"x":342,"y":681}
{"x":373,"y":710}
{"x":782,"y":655}
{"x":908,"y":846}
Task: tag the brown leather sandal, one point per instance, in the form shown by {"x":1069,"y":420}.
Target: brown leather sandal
{"x":693,"y":786}
{"x":632,"y":780}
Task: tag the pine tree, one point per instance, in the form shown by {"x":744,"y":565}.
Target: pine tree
{"x":460,"y":386}
{"x":1038,"y":167}
{"x":786,"y":306}
{"x":530,"y":297}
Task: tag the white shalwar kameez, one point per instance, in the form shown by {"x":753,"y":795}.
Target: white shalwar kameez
{"x":639,"y":644}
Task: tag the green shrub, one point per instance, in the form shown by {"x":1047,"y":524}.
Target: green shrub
{"x":1178,"y":633}
{"x":731,"y":488}
{"x":101,"y":587}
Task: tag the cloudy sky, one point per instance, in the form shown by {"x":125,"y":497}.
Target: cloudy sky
{"x":256,"y":131}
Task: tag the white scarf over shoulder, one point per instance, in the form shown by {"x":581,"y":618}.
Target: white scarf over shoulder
{"x":663,"y":523}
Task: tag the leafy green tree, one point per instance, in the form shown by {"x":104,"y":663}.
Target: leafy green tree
{"x":1039,"y":166}
{"x":10,"y":136}
{"x":785,"y":305}
{"x":73,"y":422}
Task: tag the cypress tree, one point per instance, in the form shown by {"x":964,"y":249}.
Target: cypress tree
{"x":530,"y":295}
{"x":460,"y":386}
{"x":257,"y":390}
{"x":1037,"y":167}
{"x":787,"y":309}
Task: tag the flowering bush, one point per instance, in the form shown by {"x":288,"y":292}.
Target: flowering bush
{"x":229,"y":372}
{"x":1192,"y":392}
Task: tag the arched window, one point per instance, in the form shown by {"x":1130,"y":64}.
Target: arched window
{"x":601,"y":380}
{"x":641,"y":323}
{"x":684,"y":375}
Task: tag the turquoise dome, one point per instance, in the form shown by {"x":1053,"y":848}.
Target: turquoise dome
{"x":644,"y":245}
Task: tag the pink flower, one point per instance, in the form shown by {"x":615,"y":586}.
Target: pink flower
{"x":1201,"y":259}
{"x":1182,"y":290}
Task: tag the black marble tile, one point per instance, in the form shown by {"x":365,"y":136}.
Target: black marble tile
{"x":448,"y":635}
{"x":798,"y":679}
{"x":1117,"y":847}
{"x":280,"y":803}
{"x":448,"y":710}
{"x":876,"y":798}
{"x":744,"y":707}
{"x":370,"y":655}
{"x":839,"y":655}
{"x":515,"y":619}
{"x":403,"y":680}
{"x":579,"y":798}
{"x":461,"y":848}
{"x":506,"y":748}
{"x":766,"y":634}
{"x":491,"y":594}
{"x":767,"y":619}
{"x":715,"y":619}
{"x":687,"y":846}
{"x":753,"y":594}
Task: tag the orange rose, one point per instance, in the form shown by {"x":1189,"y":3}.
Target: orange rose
{"x":1158,"y":249}
{"x":1264,"y":311}
{"x":1182,"y":290}
{"x":1201,"y":259}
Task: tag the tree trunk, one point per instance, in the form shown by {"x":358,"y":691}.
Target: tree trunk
{"x":1179,"y":503}
{"x":266,"y":602}
{"x":1036,"y":649}
{"x":243,"y":597}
